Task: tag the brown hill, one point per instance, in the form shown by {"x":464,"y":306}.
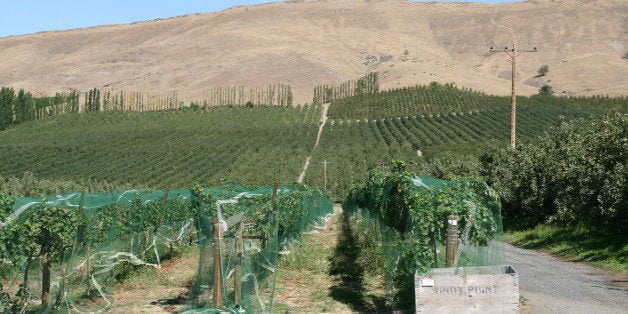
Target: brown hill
{"x":306,"y":43}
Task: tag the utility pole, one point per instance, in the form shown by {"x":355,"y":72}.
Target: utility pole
{"x":512,"y":53}
{"x":383,"y":165}
{"x":325,"y":162}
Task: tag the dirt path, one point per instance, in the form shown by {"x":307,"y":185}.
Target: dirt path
{"x":304,"y":284}
{"x":308,"y":160}
{"x":554,"y":286}
{"x":157,"y":291}
{"x":548,"y":284}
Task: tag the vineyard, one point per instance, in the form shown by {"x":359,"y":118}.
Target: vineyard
{"x":397,"y":217}
{"x":173,"y":149}
{"x":170,"y":149}
{"x":438,"y":98}
{"x":399,"y":222}
{"x":82,"y":243}
{"x":355,"y":146}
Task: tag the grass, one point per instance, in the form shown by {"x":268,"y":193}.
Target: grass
{"x":303,"y":281}
{"x":609,"y":251}
{"x":305,"y":285}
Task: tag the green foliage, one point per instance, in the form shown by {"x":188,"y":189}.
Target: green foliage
{"x":6,"y":204}
{"x":117,"y":233}
{"x":436,"y":98}
{"x":398,"y":166}
{"x":23,"y":107}
{"x":367,"y":84}
{"x":60,"y":103}
{"x":546,"y":90}
{"x":92,"y":100}
{"x":7,"y":94}
{"x":602,"y":248}
{"x":29,"y":185}
{"x":6,"y":207}
{"x":15,"y":109}
{"x":449,"y":166}
{"x":574,"y":175}
{"x":293,"y":209}
{"x":356,"y":147}
{"x":45,"y":234}
{"x":162,"y":149}
{"x":417,"y":213}
{"x":542,"y":71}
{"x":237,"y":96}
{"x":51,"y":229}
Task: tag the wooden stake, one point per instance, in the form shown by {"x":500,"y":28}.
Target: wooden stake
{"x":452,"y":240}
{"x":325,"y":162}
{"x":513,"y":105}
{"x":238,"y":267}
{"x":46,"y":268}
{"x":218,"y":235}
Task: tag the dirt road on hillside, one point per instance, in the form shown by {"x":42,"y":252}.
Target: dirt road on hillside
{"x":308,"y":160}
{"x":551,"y":285}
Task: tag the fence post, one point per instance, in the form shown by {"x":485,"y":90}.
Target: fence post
{"x":452,"y":240}
{"x":218,"y":234}
{"x":238,"y":267}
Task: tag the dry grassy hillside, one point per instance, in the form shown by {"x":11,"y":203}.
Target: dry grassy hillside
{"x":305,"y":43}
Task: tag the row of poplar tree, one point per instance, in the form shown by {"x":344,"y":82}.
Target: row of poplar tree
{"x":21,"y":106}
{"x":364,"y":85}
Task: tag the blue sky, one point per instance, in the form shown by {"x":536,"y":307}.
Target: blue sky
{"x":30,"y":16}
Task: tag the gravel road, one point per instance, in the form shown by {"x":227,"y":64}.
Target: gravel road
{"x":552,"y":285}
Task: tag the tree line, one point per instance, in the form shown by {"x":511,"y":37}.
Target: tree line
{"x":21,"y":106}
{"x":235,"y":96}
{"x":365,"y":85}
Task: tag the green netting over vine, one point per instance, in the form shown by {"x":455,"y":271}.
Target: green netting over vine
{"x":79,"y":244}
{"x":400,"y":222}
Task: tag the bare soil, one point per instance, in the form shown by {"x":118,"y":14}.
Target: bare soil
{"x":307,"y":43}
{"x":159,"y":291}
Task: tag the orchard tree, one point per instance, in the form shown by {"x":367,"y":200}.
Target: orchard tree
{"x":45,"y":232}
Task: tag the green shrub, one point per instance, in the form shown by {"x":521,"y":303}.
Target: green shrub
{"x":546,"y":90}
{"x":576,"y":174}
{"x":543,"y":70}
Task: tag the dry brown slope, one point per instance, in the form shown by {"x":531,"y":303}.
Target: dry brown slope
{"x":308,"y":43}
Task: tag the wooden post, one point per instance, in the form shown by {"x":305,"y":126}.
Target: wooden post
{"x":325,"y":162}
{"x":218,"y":234}
{"x":512,"y":53}
{"x":452,"y":240}
{"x":513,"y":105}
{"x":238,"y":267}
{"x":274,"y":199}
{"x":46,"y":266}
{"x":325,"y":174}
